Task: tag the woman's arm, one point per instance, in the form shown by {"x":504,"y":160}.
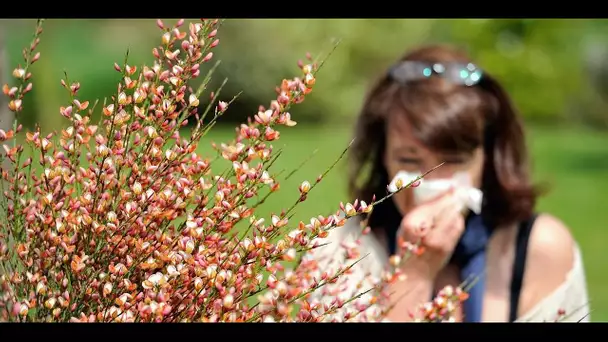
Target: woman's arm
{"x":406,"y":296}
{"x":554,"y":281}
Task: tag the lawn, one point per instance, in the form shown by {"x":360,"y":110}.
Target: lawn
{"x":573,"y":161}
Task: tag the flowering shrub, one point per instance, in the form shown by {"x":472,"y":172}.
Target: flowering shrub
{"x":123,"y":221}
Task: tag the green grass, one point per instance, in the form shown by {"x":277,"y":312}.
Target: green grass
{"x":573,"y":161}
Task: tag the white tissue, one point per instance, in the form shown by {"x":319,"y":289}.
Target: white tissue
{"x":469,"y":196}
{"x":405,"y":177}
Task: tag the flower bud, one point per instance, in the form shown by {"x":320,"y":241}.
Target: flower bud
{"x":304,"y":187}
{"x":137,"y":188}
{"x":193,"y":100}
{"x":19,"y":73}
{"x":166,"y":38}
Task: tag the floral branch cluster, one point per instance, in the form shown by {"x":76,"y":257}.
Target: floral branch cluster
{"x":122,"y":220}
{"x":443,"y":307}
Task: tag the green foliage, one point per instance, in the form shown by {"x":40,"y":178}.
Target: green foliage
{"x":86,"y":50}
{"x":540,"y":62}
{"x":573,"y":160}
{"x":544,"y":64}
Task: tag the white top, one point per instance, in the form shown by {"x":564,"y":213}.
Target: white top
{"x":571,"y":296}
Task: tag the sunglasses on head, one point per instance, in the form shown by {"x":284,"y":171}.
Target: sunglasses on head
{"x":460,"y":73}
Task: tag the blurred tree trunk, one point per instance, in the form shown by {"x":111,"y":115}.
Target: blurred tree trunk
{"x":6,"y":116}
{"x":593,"y":105}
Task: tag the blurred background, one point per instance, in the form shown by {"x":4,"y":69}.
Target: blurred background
{"x":555,"y":70}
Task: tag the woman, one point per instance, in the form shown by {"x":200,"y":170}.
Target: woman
{"x":432,"y":107}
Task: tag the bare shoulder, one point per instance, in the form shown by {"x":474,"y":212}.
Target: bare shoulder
{"x":551,"y":246}
{"x":550,"y":258}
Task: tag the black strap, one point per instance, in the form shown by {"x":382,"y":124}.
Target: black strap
{"x":391,"y":236}
{"x":519,"y":264}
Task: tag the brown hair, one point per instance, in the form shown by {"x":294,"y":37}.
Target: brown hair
{"x":445,"y":116}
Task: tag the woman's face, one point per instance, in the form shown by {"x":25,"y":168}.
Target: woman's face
{"x":404,"y":153}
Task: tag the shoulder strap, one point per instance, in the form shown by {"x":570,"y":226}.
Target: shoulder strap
{"x":519,"y":265}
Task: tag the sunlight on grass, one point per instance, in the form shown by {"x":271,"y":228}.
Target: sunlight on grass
{"x":574,"y":162}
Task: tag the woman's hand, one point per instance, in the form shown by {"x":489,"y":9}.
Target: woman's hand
{"x":436,"y":225}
